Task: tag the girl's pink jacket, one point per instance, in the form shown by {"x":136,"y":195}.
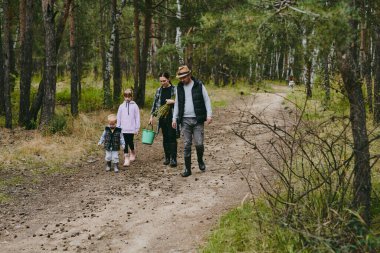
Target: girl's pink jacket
{"x":128,"y":117}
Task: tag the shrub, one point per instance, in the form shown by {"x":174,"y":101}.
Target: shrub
{"x":58,"y":125}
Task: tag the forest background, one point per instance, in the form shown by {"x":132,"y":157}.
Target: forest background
{"x":61,"y":59}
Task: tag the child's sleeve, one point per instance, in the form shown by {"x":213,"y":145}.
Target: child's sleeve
{"x":137,"y":119}
{"x":102,"y":137}
{"x":118,"y":117}
{"x":122,"y":141}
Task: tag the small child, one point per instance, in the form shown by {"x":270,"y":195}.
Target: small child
{"x":128,"y":119}
{"x":291,"y":82}
{"x":113,"y":140}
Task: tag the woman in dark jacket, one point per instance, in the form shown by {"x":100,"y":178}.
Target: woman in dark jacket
{"x":165,"y":95}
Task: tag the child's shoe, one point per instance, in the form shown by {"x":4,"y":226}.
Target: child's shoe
{"x":132,"y":157}
{"x":108,"y":168}
{"x":126,"y":160}
{"x":116,"y":169}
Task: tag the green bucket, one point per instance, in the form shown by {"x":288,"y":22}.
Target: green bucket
{"x":148,"y":136}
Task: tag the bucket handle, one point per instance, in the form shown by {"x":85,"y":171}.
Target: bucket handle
{"x":151,"y":125}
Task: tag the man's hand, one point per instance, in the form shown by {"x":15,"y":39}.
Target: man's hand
{"x":209,"y":120}
{"x":174,"y":124}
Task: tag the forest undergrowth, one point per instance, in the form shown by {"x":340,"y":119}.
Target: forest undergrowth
{"x":305,"y":207}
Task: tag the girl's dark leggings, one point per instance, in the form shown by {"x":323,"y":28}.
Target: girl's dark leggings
{"x":128,"y":138}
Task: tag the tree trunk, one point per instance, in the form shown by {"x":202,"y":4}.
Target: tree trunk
{"x":153,"y":49}
{"x":136,"y":58}
{"x":326,"y":79}
{"x":2,"y":88}
{"x":26,"y":59}
{"x":37,"y":102}
{"x":73,"y":62}
{"x":140,"y":98}
{"x":109,"y":54}
{"x":80,"y":72}
{"x":12,"y":45}
{"x":6,"y":54}
{"x":365,"y":58}
{"x":376,"y":88}
{"x":48,"y":102}
{"x":309,"y":93}
{"x":348,"y":62}
{"x":102,"y":45}
{"x":178,"y":37}
{"x":116,"y":59}
{"x":362,"y":170}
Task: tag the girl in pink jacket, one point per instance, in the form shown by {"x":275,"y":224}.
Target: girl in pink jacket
{"x":128,"y":119}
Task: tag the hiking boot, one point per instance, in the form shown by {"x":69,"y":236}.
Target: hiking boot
{"x":108,"y":168}
{"x":167,"y":160}
{"x":167,"y":154}
{"x":187,"y":170}
{"x":173,"y":154}
{"x":201,"y":163}
{"x":115,"y":167}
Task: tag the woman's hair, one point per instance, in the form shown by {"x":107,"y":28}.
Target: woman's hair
{"x":166,"y":75}
{"x":128,"y":93}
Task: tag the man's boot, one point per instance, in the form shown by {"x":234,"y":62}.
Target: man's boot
{"x":108,"y":167}
{"x":167,"y":154}
{"x":115,"y":167}
{"x":187,"y":171}
{"x":173,"y":154}
{"x":200,"y":149}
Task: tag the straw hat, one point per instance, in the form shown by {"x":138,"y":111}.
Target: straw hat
{"x":183,"y":71}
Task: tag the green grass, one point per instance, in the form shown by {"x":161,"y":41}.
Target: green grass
{"x":317,"y":108}
{"x":256,"y":228}
{"x":251,"y":228}
{"x":4,"y":198}
{"x":239,"y":231}
{"x":6,"y":183}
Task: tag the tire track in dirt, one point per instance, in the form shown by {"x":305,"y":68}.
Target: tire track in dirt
{"x":145,"y":208}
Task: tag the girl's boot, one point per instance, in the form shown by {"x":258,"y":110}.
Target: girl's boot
{"x":126,"y":160}
{"x":132,"y":157}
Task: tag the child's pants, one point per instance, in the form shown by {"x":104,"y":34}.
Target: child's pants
{"x":128,"y":142}
{"x":112,"y":156}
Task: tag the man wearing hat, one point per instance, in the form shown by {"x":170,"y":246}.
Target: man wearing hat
{"x":191,"y":109}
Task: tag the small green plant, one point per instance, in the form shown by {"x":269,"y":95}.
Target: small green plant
{"x":58,"y":124}
{"x":91,"y":99}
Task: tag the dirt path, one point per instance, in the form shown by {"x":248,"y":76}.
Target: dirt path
{"x":146,"y":208}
